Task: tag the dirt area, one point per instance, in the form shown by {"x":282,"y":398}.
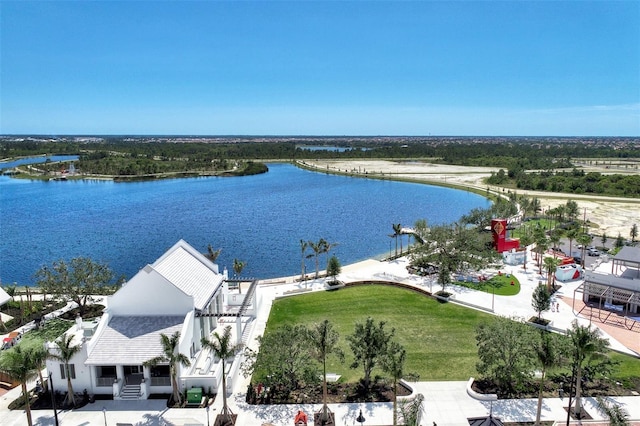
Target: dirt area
{"x":612,"y":215}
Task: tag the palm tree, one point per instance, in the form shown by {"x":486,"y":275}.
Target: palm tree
{"x":317,"y":249}
{"x":549,"y":356}
{"x":66,"y":351}
{"x":586,"y":345}
{"x":584,"y":240}
{"x":223,"y":348}
{"x":238,"y":266}
{"x":525,"y":240}
{"x":571,"y":234}
{"x":542,"y":244}
{"x":326,"y":249}
{"x":397,"y":228}
{"x":551,"y":263}
{"x":324,"y":342}
{"x":303,"y":249}
{"x":19,"y":364}
{"x":174,"y":358}
{"x":393,"y":363}
{"x":212,"y":254}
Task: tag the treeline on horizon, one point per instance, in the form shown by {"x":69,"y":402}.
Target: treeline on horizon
{"x":507,"y":153}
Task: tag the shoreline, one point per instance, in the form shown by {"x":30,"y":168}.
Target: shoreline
{"x":611,"y":215}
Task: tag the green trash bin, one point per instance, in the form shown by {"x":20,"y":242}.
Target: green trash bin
{"x":194,"y":396}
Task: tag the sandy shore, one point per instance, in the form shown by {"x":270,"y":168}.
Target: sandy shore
{"x":612,"y":215}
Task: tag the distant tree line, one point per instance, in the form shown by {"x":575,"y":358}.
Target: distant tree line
{"x":507,"y":153}
{"x":572,"y":181}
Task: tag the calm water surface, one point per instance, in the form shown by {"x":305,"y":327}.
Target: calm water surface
{"x":258,"y":219}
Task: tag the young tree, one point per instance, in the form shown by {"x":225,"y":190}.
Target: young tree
{"x":77,"y":281}
{"x":586,"y":345}
{"x":604,"y":239}
{"x":505,"y":353}
{"x":541,"y":300}
{"x":392,"y":362}
{"x":333,"y":267}
{"x":634,"y":232}
{"x":368,"y":344}
{"x":19,"y":364}
{"x":66,"y":350}
{"x":324,"y":342}
{"x":549,"y":354}
{"x":174,"y":358}
{"x":223,"y":348}
{"x":283,"y":361}
{"x":619,"y":241}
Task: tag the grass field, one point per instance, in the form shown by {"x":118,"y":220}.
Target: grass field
{"x":500,"y":285}
{"x":439,"y":337}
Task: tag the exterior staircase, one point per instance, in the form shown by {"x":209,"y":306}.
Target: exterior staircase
{"x":130,"y":392}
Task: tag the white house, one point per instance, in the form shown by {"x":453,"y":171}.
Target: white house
{"x":182,"y":291}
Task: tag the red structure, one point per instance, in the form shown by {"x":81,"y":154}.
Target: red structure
{"x":501,"y":242}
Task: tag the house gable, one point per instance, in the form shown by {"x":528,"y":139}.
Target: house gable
{"x":149,"y":293}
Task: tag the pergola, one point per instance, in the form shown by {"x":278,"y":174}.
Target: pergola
{"x":628,"y":257}
{"x":615,"y":294}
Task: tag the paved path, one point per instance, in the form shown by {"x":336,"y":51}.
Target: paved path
{"x":446,"y":403}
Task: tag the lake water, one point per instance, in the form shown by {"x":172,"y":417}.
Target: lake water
{"x":257,"y":219}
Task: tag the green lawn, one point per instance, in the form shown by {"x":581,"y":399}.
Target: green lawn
{"x":500,"y":285}
{"x":439,"y":337}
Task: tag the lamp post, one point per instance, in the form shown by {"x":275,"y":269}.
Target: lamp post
{"x":53,"y":399}
{"x":104,"y":412}
{"x":360,"y":419}
{"x":207,"y":408}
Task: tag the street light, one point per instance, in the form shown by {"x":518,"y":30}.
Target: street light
{"x":104,"y":412}
{"x":207,"y":408}
{"x":360,"y":419}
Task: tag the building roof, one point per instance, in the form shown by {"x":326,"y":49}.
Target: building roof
{"x":4,"y":297}
{"x":612,"y":281}
{"x":191,"y":272}
{"x":132,"y":340}
{"x":628,"y":254}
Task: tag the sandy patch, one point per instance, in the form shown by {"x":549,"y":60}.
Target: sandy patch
{"x":612,"y":215}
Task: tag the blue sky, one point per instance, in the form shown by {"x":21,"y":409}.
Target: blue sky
{"x":566,"y":68}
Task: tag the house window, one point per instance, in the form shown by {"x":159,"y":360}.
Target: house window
{"x":72,"y":371}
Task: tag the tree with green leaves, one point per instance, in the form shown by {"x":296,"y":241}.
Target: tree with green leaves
{"x":541,"y":300}
{"x":586,"y":346}
{"x":368,"y":344}
{"x":326,"y":249}
{"x":549,"y":354}
{"x":333,"y":267}
{"x":20,"y":365}
{"x":619,"y":241}
{"x":223,"y":348}
{"x":525,"y":241}
{"x":66,"y":350}
{"x":317,"y":249}
{"x":172,"y":356}
{"x":584,"y":240}
{"x":238,"y":266}
{"x":604,"y":238}
{"x":542,"y":244}
{"x":634,"y":232}
{"x":505,"y":353}
{"x":411,"y":409}
{"x":454,"y":248}
{"x":551,"y":263}
{"x":76,"y":281}
{"x":392,"y":362}
{"x":571,"y":209}
{"x":571,"y":234}
{"x":324,"y":342}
